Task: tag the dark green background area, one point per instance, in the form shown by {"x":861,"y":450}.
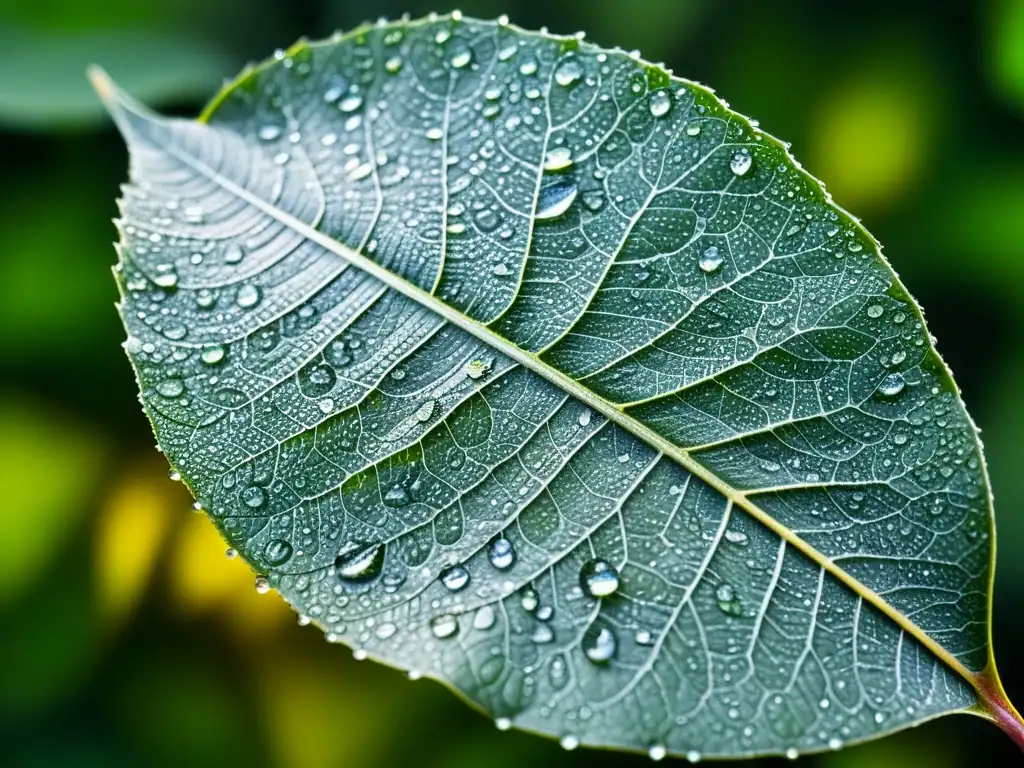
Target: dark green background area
{"x":126,"y":638}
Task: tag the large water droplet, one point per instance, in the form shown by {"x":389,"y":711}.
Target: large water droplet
{"x":558,"y":159}
{"x":361,"y":564}
{"x":599,"y":578}
{"x":170,"y":387}
{"x":502,"y":554}
{"x":569,"y":742}
{"x":892,"y":385}
{"x":484,"y":618}
{"x":568,"y":72}
{"x":710,"y":260}
{"x":455,"y":578}
{"x":487,"y":220}
{"x":599,"y":643}
{"x":233,"y":253}
{"x":277,"y":552}
{"x":212,"y":355}
{"x":254,"y":497}
{"x":728,"y":603}
{"x":657,"y":752}
{"x":262,"y":585}
{"x":248,"y":296}
{"x":444,"y":626}
{"x":397,"y":496}
{"x":269,"y":132}
{"x":741,"y":162}
{"x":661,"y":103}
{"x":555,"y":200}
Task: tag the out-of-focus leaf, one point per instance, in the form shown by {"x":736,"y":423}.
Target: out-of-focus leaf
{"x":42,"y":75}
{"x":48,"y":469}
{"x":51,"y":273}
{"x":1006,"y":48}
{"x":515,"y":362}
{"x":130,"y":534}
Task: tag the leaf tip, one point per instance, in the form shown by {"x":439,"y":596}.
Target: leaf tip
{"x":102,"y":84}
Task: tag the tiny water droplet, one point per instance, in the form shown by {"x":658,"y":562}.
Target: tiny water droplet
{"x":500,"y":269}
{"x":657,"y":752}
{"x":262,"y":585}
{"x":233,"y":253}
{"x":254,"y":497}
{"x":569,"y":743}
{"x":502,"y":723}
{"x":693,"y":129}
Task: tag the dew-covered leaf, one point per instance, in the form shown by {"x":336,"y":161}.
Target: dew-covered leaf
{"x":519,"y":364}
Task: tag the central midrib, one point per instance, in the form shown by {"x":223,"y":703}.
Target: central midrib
{"x":572,"y":387}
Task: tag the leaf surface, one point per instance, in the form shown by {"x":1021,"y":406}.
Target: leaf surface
{"x":518,"y":363}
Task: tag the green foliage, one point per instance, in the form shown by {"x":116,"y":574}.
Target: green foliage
{"x":512,"y":362}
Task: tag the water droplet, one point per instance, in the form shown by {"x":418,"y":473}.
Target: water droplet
{"x":710,"y":260}
{"x":892,"y":385}
{"x":542,"y":634}
{"x":212,"y":355}
{"x":693,"y":756}
{"x":361,"y":564}
{"x":500,"y":269}
{"x":397,"y":496}
{"x":393,"y":65}
{"x":875,"y":310}
{"x":277,"y":552}
{"x":170,"y":387}
{"x":502,"y":554}
{"x":248,"y":296}
{"x":599,"y":643}
{"x":233,"y":253}
{"x":792,"y":753}
{"x":736,"y":537}
{"x":269,"y":132}
{"x":569,"y":742}
{"x":835,"y":743}
{"x":693,"y":129}
{"x":484,"y":618}
{"x":350,"y":103}
{"x":455,"y":578}
{"x":502,"y":723}
{"x":657,"y":752}
{"x":174,"y":475}
{"x":487,"y":220}
{"x":661,"y":103}
{"x":435,"y":134}
{"x":599,"y":578}
{"x":254,"y":497}
{"x":425,"y":411}
{"x":166,"y":280}
{"x":385,"y":631}
{"x":728,"y":603}
{"x":262,"y":585}
{"x":558,"y":159}
{"x":584,"y":418}
{"x":444,"y":626}
{"x":555,"y":200}
{"x":568,"y":72}
{"x":461,"y":59}
{"x":528,"y":67}
{"x":529,"y":599}
{"x":477,"y":369}
{"x":741,"y":162}
{"x":643,"y":637}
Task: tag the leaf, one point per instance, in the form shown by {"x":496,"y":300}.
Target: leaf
{"x":519,"y":364}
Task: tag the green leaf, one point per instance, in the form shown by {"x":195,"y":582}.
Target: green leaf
{"x":522,"y":365}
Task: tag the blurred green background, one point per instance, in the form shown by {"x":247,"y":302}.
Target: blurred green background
{"x":128,"y":638}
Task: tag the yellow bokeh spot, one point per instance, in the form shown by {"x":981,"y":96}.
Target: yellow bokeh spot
{"x":133,"y":525}
{"x":874,"y":133}
{"x":202,"y":580}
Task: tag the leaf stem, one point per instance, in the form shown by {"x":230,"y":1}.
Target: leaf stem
{"x":995,"y":705}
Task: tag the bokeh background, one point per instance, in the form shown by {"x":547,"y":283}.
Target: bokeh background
{"x":128,"y":638}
